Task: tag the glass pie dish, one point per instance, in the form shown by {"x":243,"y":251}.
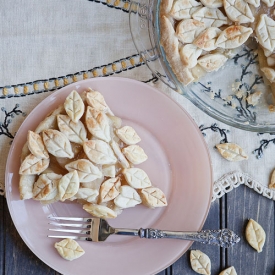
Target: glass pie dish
{"x":216,"y":92}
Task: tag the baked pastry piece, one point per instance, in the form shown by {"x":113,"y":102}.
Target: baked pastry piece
{"x":210,"y":17}
{"x":45,"y":188}
{"x":233,"y":37}
{"x":120,"y":157}
{"x":26,"y":183}
{"x":109,"y":189}
{"x":33,"y":165}
{"x":85,"y":169}
{"x":100,"y":211}
{"x":238,"y":11}
{"x":128,"y":197}
{"x":98,"y":124}
{"x":96,"y":100}
{"x":128,"y":135}
{"x":212,"y":61}
{"x":170,"y":43}
{"x":74,"y":131}
{"x":187,"y":30}
{"x":189,"y":54}
{"x":136,"y":178}
{"x":68,"y":185}
{"x":86,"y":194}
{"x":153,"y":197}
{"x":74,"y":106}
{"x":206,"y":40}
{"x":57,"y":144}
{"x":69,"y":249}
{"x":99,"y":152}
{"x":135,"y":154}
{"x":183,"y":9}
{"x":36,"y":145}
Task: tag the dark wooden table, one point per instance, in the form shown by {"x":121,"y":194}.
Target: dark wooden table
{"x":231,"y":211}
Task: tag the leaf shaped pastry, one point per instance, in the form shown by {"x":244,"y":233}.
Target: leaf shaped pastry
{"x":189,"y":54}
{"x":256,"y":3}
{"x":170,"y":43}
{"x":69,"y":249}
{"x":183,"y":9}
{"x":200,"y":262}
{"x":45,"y":188}
{"x":98,"y":124}
{"x":109,"y":189}
{"x":153,"y":197}
{"x":265,"y":32}
{"x":206,"y":40}
{"x":75,"y":132}
{"x":85,"y":169}
{"x":120,"y":157}
{"x":238,"y":11}
{"x":187,"y":30}
{"x":255,"y":235}
{"x":68,"y":185}
{"x":96,"y":100}
{"x":269,"y":3}
{"x":272,"y":180}
{"x":212,"y":61}
{"x":74,"y":106}
{"x":128,"y":135}
{"x":99,"y":211}
{"x":135,"y":154}
{"x":99,"y":152}
{"x":136,"y":178}
{"x":212,"y":3}
{"x":233,"y":37}
{"x":229,"y":271}
{"x":87,"y":194}
{"x":231,"y":151}
{"x":36,"y":145}
{"x":210,"y":17}
{"x":128,"y":197}
{"x":33,"y":165}
{"x":57,"y":144}
{"x":26,"y":183}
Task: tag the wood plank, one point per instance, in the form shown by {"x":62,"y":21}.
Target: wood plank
{"x":244,"y":203}
{"x":19,"y":259}
{"x":182,"y":265}
{"x":2,"y":244}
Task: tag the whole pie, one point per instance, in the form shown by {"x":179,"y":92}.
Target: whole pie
{"x":198,"y":37}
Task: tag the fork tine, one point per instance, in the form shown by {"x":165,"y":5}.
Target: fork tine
{"x":71,"y":237}
{"x":71,"y":219}
{"x":80,"y":225}
{"x":70,"y":230}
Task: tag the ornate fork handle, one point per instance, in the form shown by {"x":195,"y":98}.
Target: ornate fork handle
{"x":223,"y":237}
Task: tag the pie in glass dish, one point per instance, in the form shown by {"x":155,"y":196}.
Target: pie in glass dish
{"x":199,"y":37}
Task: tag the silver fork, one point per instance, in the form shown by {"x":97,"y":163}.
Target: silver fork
{"x":98,"y":230}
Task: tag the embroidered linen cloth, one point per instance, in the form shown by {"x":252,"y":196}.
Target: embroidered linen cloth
{"x":48,"y":44}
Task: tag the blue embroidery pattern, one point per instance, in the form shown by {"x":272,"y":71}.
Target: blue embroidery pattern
{"x":263,"y":145}
{"x":243,"y":84}
{"x":214,"y":127}
{"x":4,"y":126}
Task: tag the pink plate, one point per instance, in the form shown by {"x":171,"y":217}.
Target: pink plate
{"x":178,"y":163}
